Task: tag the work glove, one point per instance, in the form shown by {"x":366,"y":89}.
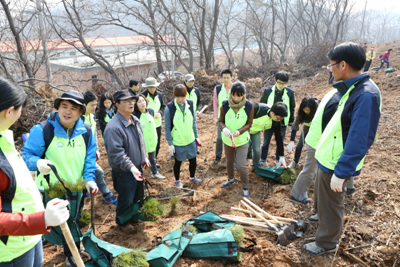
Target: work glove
{"x":97,"y":155}
{"x":288,"y":129}
{"x":337,"y":183}
{"x":281,"y":162}
{"x":147,"y":163}
{"x":56,"y":212}
{"x":157,"y":115}
{"x":290,"y":147}
{"x":171,"y":150}
{"x":136,"y":173}
{"x":42,"y":165}
{"x":91,"y":187}
{"x":198,"y":142}
{"x":226,"y":132}
{"x":216,"y":121}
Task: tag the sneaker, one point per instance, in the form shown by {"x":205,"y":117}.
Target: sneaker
{"x":246,"y":193}
{"x":314,"y":218}
{"x":228,"y":183}
{"x":127,"y":228}
{"x":263,"y":163}
{"x":195,"y":179}
{"x":304,"y":201}
{"x":70,"y":262}
{"x":87,"y":196}
{"x":350,"y":191}
{"x":158,"y":176}
{"x":178,"y":184}
{"x":292,"y":164}
{"x":217,"y":160}
{"x":313,"y":249}
{"x":111,"y":200}
{"x":158,"y":165}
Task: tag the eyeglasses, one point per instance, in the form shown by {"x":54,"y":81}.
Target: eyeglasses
{"x":282,"y":83}
{"x":129,"y":101}
{"x":330,"y":65}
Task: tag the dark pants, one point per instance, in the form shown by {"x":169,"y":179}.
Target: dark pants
{"x":31,"y":258}
{"x":158,"y":129}
{"x":129,"y":191}
{"x":267,"y":139}
{"x":331,"y":78}
{"x":67,"y":251}
{"x":299,"y":146}
{"x":192,"y":168}
{"x":367,"y":65}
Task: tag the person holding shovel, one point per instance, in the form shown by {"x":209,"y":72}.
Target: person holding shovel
{"x":341,"y":149}
{"x":23,"y":218}
{"x":66,"y":142}
{"x":181,"y":133}
{"x":236,"y":118}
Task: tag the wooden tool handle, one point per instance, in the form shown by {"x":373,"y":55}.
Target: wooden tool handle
{"x":92,"y":213}
{"x":71,"y":244}
{"x":261,"y":210}
{"x":257,"y":214}
{"x":204,"y":108}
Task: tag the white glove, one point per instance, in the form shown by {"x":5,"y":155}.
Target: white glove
{"x":337,"y":183}
{"x":147,"y":162}
{"x":216,"y":121}
{"x":288,"y":129}
{"x":171,"y":150}
{"x":97,"y":155}
{"x":290,"y":147}
{"x":281,"y":162}
{"x":91,"y":187}
{"x":198,"y":142}
{"x":136,"y":173}
{"x":227,"y":132}
{"x":42,"y":165}
{"x":56,"y":212}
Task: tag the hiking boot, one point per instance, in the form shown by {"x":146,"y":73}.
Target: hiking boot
{"x":127,"y":228}
{"x":314,"y":218}
{"x":111,"y":200}
{"x":178,"y":184}
{"x":158,"y":175}
{"x":246,"y":193}
{"x":217,"y":160}
{"x":70,"y":262}
{"x":228,"y":183}
{"x":350,"y":191}
{"x":292,"y":164}
{"x":263,"y":163}
{"x":195,"y":179}
{"x":313,"y":249}
{"x":304,"y":201}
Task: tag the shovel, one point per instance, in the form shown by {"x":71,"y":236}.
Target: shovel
{"x":299,"y":224}
{"x":92,"y":213}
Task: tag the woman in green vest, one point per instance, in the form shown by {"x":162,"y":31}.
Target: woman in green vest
{"x":146,"y":117}
{"x":22,"y":215}
{"x":235,"y":120}
{"x":181,"y":133}
{"x":106,"y":110}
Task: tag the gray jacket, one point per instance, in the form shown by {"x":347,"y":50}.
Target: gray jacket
{"x":124,"y":143}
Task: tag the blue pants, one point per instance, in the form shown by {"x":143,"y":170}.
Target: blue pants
{"x":383,"y":62}
{"x":153,"y":162}
{"x":255,"y":141}
{"x":267,"y":139}
{"x":101,"y":184}
{"x":31,"y":258}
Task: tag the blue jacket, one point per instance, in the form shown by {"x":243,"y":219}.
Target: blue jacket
{"x":35,"y":146}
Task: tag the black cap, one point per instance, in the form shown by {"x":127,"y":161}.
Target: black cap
{"x":74,"y":96}
{"x":124,"y":94}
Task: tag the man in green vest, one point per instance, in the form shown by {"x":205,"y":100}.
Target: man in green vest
{"x":193,"y":93}
{"x":273,"y":94}
{"x":342,"y":147}
{"x":221,"y":93}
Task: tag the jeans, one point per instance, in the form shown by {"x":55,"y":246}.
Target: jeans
{"x":218,"y":144}
{"x":267,"y":139}
{"x":383,"y":62}
{"x":31,"y":258}
{"x":255,"y":141}
{"x":129,"y":191}
{"x":101,"y":184}
{"x":153,"y":162}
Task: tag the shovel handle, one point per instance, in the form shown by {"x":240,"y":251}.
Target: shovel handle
{"x":258,"y":215}
{"x":262,"y":211}
{"x":92,"y":213}
{"x":71,"y":244}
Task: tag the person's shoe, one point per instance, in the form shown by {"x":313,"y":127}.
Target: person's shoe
{"x":111,"y":200}
{"x":87,"y":196}
{"x":127,"y":228}
{"x":313,"y":249}
{"x":350,"y":191}
{"x":178,"y":184}
{"x":70,"y":262}
{"x":263,"y":163}
{"x":292,"y":164}
{"x":228,"y":183}
{"x":195,"y":179}
{"x":158,"y":165}
{"x":304,"y":201}
{"x":314,"y":218}
{"x":246,"y":193}
{"x":158,"y":175}
{"x":217,"y":160}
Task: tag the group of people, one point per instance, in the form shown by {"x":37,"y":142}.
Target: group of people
{"x":337,"y":133}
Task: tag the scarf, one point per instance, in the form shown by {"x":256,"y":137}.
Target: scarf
{"x":235,"y":107}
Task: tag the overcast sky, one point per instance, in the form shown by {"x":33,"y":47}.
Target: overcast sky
{"x":390,"y":5}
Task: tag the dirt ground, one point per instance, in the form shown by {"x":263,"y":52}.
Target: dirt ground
{"x":372,"y":231}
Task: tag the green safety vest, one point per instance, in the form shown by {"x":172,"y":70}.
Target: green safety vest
{"x":182,"y":131}
{"x":222,"y":96}
{"x":193,"y":96}
{"x":234,"y":122}
{"x":315,"y":131}
{"x":155,"y":105}
{"x":26,"y":200}
{"x":68,"y":155}
{"x":92,"y":124}
{"x":107,"y":118}
{"x":330,"y":146}
{"x":285,"y":100}
{"x":261,"y":124}
{"x":149,"y":132}
{"x":308,"y":124}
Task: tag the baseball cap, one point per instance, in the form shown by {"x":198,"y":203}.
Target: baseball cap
{"x":74,"y":96}
{"x":189,"y":77}
{"x":122,"y":95}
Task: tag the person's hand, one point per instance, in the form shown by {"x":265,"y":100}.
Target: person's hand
{"x":216,"y":121}
{"x":236,"y":134}
{"x":337,"y":183}
{"x":147,"y":163}
{"x":290,"y":147}
{"x":136,"y":173}
{"x":97,"y":155}
{"x":56,"y":212}
{"x":288,"y":129}
{"x":197,"y":113}
{"x":281,"y":162}
{"x":43,"y":166}
{"x":198,"y":142}
{"x":91,"y":187}
{"x":157,"y":115}
{"x":171,"y":150}
{"x":226,"y":132}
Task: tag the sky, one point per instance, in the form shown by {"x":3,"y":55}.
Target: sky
{"x":392,"y":5}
